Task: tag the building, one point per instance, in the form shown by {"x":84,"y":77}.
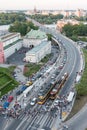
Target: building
{"x":38,"y":52}
{"x":4,"y":27}
{"x":50,"y":26}
{"x":9,"y":43}
{"x":79,"y":13}
{"x":34,"y":37}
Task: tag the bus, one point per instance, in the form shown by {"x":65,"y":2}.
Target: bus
{"x":44,"y":93}
{"x":42,"y":101}
{"x":56,"y":89}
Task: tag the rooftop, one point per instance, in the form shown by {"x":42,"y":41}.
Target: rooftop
{"x":36,"y":34}
{"x":37,"y":48}
{"x":11,"y":44}
{"x":8,"y":35}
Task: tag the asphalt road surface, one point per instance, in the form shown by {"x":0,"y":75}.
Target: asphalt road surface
{"x":79,"y":121}
{"x":36,"y":118}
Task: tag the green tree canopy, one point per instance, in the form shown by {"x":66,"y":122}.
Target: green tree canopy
{"x":74,"y":31}
{"x":9,"y":18}
{"x":22,"y":27}
{"x":46,"y":19}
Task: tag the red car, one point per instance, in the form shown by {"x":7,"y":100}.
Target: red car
{"x":10,"y":98}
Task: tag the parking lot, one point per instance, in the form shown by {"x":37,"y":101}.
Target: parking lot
{"x":17,"y":57}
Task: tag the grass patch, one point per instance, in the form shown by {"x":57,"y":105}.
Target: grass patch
{"x":46,"y":58}
{"x":7,"y":83}
{"x":11,"y":69}
{"x":82,"y":86}
{"x":4,"y":79}
{"x":31,"y":69}
{"x":9,"y":87}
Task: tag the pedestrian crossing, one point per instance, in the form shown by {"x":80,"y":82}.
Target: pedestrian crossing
{"x":36,"y":121}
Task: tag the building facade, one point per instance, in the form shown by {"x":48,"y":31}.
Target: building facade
{"x":9,"y":43}
{"x":38,"y":52}
{"x":34,"y":37}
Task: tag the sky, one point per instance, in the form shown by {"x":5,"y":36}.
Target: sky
{"x":42,"y":4}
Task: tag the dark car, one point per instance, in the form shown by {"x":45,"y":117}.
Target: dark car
{"x":18,"y":92}
{"x":23,"y":88}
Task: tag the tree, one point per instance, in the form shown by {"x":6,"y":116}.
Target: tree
{"x":73,"y":31}
{"x":9,"y":18}
{"x":46,"y":19}
{"x":49,"y":37}
{"x":68,"y":30}
{"x":22,"y":27}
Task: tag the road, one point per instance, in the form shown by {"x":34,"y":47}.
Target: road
{"x":79,"y":121}
{"x":34,"y":121}
{"x":37,"y":118}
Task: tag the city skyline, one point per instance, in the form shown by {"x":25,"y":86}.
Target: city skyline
{"x":42,"y":5}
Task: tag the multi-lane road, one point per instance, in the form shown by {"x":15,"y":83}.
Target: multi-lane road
{"x":37,"y":117}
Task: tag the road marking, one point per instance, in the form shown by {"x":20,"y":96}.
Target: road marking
{"x":18,"y":128}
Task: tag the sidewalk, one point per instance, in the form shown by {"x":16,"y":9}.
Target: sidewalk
{"x":19,"y":74}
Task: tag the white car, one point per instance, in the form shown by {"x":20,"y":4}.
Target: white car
{"x":56,"y":102}
{"x":33,"y":102}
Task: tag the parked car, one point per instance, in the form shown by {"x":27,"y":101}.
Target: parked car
{"x":18,"y":92}
{"x":29,"y":83}
{"x":23,"y":88}
{"x":5,"y":105}
{"x":10,"y":98}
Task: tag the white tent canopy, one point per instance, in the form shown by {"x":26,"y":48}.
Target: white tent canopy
{"x":78,"y":78}
{"x":27,"y":90}
{"x":70,"y":97}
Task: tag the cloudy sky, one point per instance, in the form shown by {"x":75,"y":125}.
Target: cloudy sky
{"x":42,"y":4}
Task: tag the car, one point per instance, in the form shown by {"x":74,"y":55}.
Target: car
{"x":6,"y":105}
{"x":56,"y":102}
{"x":33,"y":101}
{"x":65,"y":127}
{"x":10,"y":98}
{"x":18,"y":92}
{"x":52,"y":77}
{"x":33,"y":79}
{"x":24,"y":59}
{"x":29,"y":83}
{"x":61,"y":66}
{"x":23,"y":88}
